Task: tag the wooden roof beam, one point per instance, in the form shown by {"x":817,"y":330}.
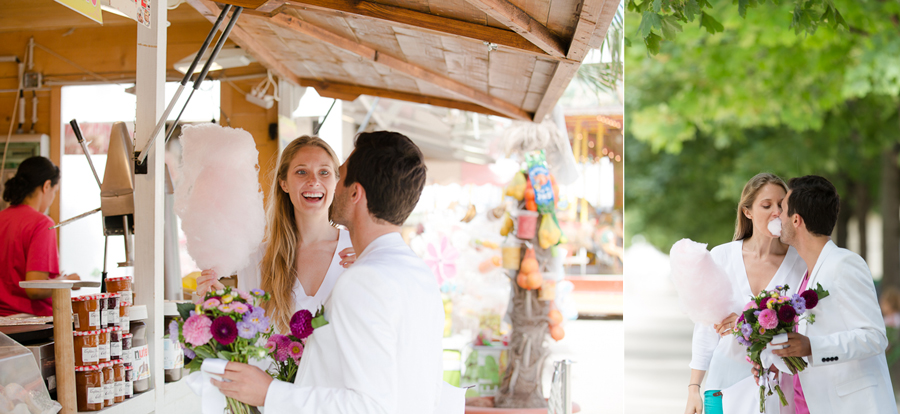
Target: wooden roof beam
{"x":506,"y":39}
{"x":594,"y":16}
{"x":450,"y":85}
{"x":327,"y":89}
{"x":522,"y":23}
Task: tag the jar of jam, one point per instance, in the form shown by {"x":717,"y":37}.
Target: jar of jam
{"x":104,"y":315}
{"x":86,"y":313}
{"x":119,"y":374}
{"x":109,"y":384}
{"x":129,"y":382}
{"x":112,"y":310}
{"x":89,"y":388}
{"x":103,"y":345}
{"x":122,"y":286}
{"x":115,"y":343}
{"x":87,"y":347}
{"x":124,"y":322}
{"x":127,"y":358}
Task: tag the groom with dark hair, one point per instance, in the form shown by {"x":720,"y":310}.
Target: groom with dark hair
{"x":845,"y":346}
{"x":381,"y":351}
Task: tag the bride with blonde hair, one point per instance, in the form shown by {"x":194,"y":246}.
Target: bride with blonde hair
{"x":303,"y":253}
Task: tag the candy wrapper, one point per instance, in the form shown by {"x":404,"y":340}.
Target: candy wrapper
{"x":539,"y":176}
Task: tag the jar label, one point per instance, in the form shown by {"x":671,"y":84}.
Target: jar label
{"x":94,"y":318}
{"x":129,"y":388}
{"x":90,"y":354}
{"x":113,"y":316}
{"x":95,"y":395}
{"x":125,"y":296}
{"x":173,"y":356}
{"x":115,"y":349}
{"x":120,"y":388}
{"x":104,"y":318}
{"x":76,"y":320}
{"x":104,"y":351}
{"x":126,"y":356}
{"x":109,"y":391}
{"x":141,"y":364}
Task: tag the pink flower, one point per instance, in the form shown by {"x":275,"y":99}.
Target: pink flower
{"x":211,"y":304}
{"x":226,"y":308}
{"x":751,"y":305}
{"x":244,"y":295}
{"x":196,"y":330}
{"x":768,"y":319}
{"x":239,"y":307}
{"x":296,"y":351}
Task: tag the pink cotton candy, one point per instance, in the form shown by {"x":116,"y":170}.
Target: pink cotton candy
{"x":704,"y":289}
{"x":218,"y":197}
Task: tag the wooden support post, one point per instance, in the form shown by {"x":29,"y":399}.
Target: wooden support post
{"x":63,"y":346}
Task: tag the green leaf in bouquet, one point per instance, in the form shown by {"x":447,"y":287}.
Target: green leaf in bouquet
{"x":821,"y":291}
{"x":184,"y":309}
{"x":204,"y":352}
{"x":757,"y":347}
{"x":195,"y":364}
{"x":228,"y":356}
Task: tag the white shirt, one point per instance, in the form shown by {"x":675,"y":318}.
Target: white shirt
{"x":723,"y":358}
{"x":249,"y":277}
{"x":381,"y":350}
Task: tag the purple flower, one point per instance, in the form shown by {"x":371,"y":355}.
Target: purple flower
{"x":756,"y":313}
{"x":786,"y":314}
{"x":257,"y":292}
{"x":282,"y":343}
{"x":764,"y":302}
{"x":746,"y":329}
{"x":224,"y":330}
{"x":196,"y":330}
{"x":246,"y":330}
{"x":768,"y":319}
{"x":743,"y":341}
{"x":301,"y":324}
{"x":255,"y":317}
{"x":173,"y":330}
{"x":189,"y":353}
{"x":811,"y":297}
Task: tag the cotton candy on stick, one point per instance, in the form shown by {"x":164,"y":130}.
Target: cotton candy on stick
{"x":218,"y":197}
{"x":704,"y":289}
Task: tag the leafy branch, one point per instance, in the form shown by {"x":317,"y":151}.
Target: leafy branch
{"x":664,"y":19}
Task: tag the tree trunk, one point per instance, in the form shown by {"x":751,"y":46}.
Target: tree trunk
{"x":522,"y":385}
{"x":890,"y":211}
{"x":843,"y":220}
{"x":863,"y":204}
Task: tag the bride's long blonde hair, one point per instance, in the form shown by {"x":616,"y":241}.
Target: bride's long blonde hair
{"x":277,"y":267}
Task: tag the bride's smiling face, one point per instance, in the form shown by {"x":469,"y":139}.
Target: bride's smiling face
{"x":765,"y":208}
{"x":310,"y":180}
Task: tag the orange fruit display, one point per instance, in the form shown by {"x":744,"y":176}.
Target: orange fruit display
{"x":555,"y":317}
{"x":557,"y":333}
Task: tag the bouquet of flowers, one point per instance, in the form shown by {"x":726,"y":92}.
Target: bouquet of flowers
{"x":286,"y":350}
{"x":228,"y":324}
{"x":769,"y":314}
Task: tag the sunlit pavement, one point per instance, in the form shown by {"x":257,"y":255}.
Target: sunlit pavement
{"x":597,"y":347}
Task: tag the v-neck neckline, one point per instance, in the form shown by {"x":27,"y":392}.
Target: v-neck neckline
{"x":784,"y":267}
{"x":327,"y":271}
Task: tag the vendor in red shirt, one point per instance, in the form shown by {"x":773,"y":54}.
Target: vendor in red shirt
{"x":27,"y":242}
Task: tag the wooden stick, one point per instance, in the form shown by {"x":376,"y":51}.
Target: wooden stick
{"x":65,"y":350}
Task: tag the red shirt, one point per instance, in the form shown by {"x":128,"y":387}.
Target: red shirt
{"x":26,"y":244}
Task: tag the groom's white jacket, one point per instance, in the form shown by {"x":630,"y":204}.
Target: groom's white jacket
{"x":847,"y":371}
{"x":381,"y":350}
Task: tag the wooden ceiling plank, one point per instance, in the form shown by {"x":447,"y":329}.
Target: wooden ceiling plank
{"x":595,"y":16}
{"x":335,"y":89}
{"x":239,"y":35}
{"x":520,"y":22}
{"x":561,"y":78}
{"x":417,"y":72}
{"x":372,"y":10}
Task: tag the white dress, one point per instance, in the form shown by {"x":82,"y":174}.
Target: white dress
{"x":723,"y":358}
{"x":249,"y":278}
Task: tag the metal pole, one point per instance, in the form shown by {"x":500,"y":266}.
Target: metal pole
{"x":87,"y":153}
{"x":318,"y":127}
{"x":209,"y":62}
{"x":184,"y":81}
{"x":365,"y":122}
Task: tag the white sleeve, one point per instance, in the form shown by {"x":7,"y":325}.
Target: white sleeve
{"x":364,"y":318}
{"x":249,"y":277}
{"x":853,"y":299}
{"x":703,"y":343}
